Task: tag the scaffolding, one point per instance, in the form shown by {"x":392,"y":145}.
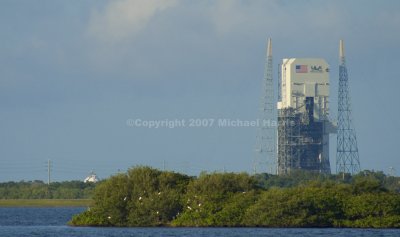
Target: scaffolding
{"x":300,"y":140}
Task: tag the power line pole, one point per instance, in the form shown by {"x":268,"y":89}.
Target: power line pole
{"x":347,"y":158}
{"x":48,"y":171}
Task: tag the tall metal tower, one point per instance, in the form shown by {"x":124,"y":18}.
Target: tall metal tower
{"x":266,"y":135}
{"x":347,"y":159}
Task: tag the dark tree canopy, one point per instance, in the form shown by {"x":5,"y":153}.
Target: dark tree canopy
{"x":148,"y":197}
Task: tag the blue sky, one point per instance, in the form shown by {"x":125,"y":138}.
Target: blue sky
{"x":73,"y":72}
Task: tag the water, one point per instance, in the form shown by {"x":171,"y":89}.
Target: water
{"x":49,"y":222}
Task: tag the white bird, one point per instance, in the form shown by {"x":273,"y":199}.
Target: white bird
{"x":199,"y":204}
{"x":189,"y":208}
{"x":140,"y":198}
{"x":109,"y":217}
{"x":124,"y":198}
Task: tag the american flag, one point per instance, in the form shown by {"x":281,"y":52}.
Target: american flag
{"x":301,"y":69}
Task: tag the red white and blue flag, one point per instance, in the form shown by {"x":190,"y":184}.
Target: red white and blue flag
{"x":301,"y":69}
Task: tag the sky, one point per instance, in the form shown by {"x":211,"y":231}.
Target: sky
{"x":72,"y":73}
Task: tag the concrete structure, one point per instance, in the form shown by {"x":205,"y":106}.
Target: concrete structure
{"x":303,"y":109}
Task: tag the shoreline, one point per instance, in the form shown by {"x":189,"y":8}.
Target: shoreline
{"x":45,"y":202}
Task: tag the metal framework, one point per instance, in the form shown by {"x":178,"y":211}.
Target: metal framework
{"x":347,"y":158}
{"x":300,"y":140}
{"x":288,"y":140}
{"x":266,"y":135}
{"x":303,"y":140}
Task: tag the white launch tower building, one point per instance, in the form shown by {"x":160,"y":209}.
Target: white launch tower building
{"x":303,"y":109}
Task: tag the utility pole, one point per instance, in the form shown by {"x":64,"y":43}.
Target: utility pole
{"x":48,"y":171}
{"x":347,"y":159}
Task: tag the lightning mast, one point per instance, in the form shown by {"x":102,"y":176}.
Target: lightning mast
{"x":347,"y":158}
{"x":266,"y":135}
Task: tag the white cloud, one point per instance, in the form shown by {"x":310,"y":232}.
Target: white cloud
{"x":123,"y":19}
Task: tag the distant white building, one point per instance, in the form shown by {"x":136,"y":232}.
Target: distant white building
{"x":303,"y":116}
{"x":92,"y":178}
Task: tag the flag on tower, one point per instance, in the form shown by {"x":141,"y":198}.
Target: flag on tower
{"x":301,"y":69}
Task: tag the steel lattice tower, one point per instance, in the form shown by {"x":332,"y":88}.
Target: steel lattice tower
{"x":266,"y":136}
{"x":347,"y":159}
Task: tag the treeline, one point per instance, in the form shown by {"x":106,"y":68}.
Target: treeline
{"x":148,"y":197}
{"x":299,"y":177}
{"x":40,"y":190}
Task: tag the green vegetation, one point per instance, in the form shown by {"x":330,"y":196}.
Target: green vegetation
{"x":141,"y":197}
{"x":40,"y":190}
{"x":45,"y":202}
{"x":149,"y":197}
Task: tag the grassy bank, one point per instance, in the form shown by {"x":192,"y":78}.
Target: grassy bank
{"x":45,"y":202}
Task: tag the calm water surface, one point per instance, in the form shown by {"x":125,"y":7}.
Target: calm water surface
{"x":43,"y":222}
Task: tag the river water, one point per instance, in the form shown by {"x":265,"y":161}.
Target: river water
{"x":43,"y":222}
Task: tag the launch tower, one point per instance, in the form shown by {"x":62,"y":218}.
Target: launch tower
{"x":304,"y":126}
{"x":303,"y":109}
